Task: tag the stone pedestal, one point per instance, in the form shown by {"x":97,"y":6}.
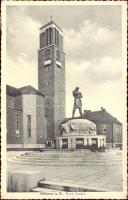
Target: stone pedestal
{"x":73,"y":143}
{"x":60,"y":143}
{"x":23,"y":180}
{"x":98,"y":142}
{"x":85,"y":141}
{"x":69,"y":143}
{"x":90,"y":141}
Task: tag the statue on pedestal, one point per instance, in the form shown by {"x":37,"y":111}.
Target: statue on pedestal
{"x":77,"y":101}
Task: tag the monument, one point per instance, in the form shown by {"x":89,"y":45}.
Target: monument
{"x":77,"y":101}
{"x":75,"y":133}
{"x":78,"y":133}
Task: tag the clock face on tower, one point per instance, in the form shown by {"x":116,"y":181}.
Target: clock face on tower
{"x":58,"y":55}
{"x":47,"y":53}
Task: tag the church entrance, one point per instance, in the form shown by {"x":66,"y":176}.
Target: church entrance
{"x":79,"y":143}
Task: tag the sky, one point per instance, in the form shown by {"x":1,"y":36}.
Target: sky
{"x":92,"y":44}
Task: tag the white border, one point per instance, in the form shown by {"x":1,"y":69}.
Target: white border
{"x":87,"y":195}
{"x":57,"y":3}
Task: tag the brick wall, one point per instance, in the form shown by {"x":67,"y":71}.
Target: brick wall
{"x":59,"y":90}
{"x":54,"y":91}
{"x":45,"y":77}
{"x":11,"y":127}
{"x":108,"y":131}
{"x":117,"y":133}
{"x":18,"y":102}
{"x":113,"y":132}
{"x":29,"y":108}
{"x":41,"y":123}
{"x":10,"y":102}
{"x":12,"y":111}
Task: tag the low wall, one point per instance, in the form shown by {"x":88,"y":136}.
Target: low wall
{"x":25,"y":147}
{"x":23,"y":180}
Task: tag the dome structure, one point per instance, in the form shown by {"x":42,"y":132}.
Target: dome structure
{"x":78,"y":126}
{"x":78,"y":133}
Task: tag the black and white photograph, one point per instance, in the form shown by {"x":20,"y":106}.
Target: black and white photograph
{"x":64,"y":118}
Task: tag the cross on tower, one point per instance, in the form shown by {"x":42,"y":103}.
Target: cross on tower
{"x":51,"y":18}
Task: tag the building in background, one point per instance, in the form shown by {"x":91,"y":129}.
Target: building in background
{"x":107,"y":125}
{"x":26,"y":121}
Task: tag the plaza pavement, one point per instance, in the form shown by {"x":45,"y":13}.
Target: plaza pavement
{"x":97,"y":177}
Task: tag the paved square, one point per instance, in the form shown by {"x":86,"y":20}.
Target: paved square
{"x":106,"y":177}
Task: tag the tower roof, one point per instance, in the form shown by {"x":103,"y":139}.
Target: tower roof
{"x":49,"y":24}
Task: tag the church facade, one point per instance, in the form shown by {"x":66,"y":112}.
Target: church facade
{"x":26,"y":121}
{"x":33,"y":116}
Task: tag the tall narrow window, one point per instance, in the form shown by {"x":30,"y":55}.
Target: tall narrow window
{"x":47,"y":38}
{"x":50,"y":35}
{"x":57,"y":38}
{"x":17,"y":121}
{"x":29,"y":125}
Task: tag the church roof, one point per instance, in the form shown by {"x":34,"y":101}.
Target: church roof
{"x":48,"y":24}
{"x":12,"y":91}
{"x":101,"y":116}
{"x":30,"y":90}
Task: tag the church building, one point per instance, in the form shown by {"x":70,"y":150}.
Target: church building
{"x":33,"y":116}
{"x":26,"y":120}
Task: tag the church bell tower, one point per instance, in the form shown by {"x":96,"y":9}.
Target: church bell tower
{"x":51,"y":75}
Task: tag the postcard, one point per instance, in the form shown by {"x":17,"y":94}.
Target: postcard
{"x":64,"y":114}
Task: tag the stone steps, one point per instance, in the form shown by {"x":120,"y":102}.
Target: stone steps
{"x":55,"y":164}
{"x":69,"y":154}
{"x":40,"y":189}
{"x":54,"y":186}
{"x":66,"y":159}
